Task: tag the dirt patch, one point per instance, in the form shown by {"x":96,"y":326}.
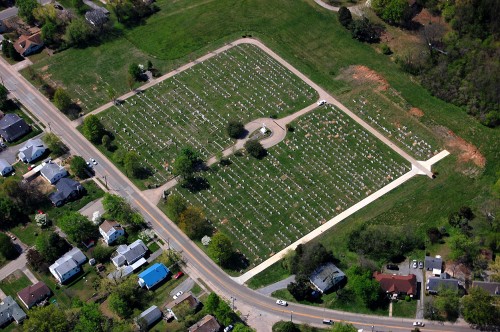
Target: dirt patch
{"x":44,"y":68}
{"x":361,"y":75}
{"x":417,"y":112}
{"x":467,"y":152}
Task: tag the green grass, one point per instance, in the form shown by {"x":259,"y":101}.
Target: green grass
{"x":196,"y":289}
{"x":404,"y":309}
{"x":14,"y":283}
{"x":274,"y":273}
{"x":153,"y":247}
{"x":302,"y":327}
{"x":27,"y":233}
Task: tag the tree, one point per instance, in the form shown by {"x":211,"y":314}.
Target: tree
{"x":125,"y":297}
{"x":55,"y":145}
{"x":102,"y":253}
{"x":448,"y":304}
{"x":300,"y":289}
{"x":345,"y":17}
{"x":393,"y":11}
{"x":78,"y":5}
{"x":78,"y":166}
{"x":79,"y":33}
{"x":106,"y":142}
{"x":344,"y":327}
{"x":90,"y":318}
{"x":78,"y":228}
{"x":4,"y":93}
{"x":255,"y":149}
{"x":212,"y":303}
{"x":175,"y":205}
{"x":494,"y":267}
{"x":26,"y":8}
{"x":220,"y":248}
{"x":118,"y":209}
{"x":62,"y":100}
{"x":463,"y":249}
{"x":13,"y":54}
{"x":364,"y":286}
{"x":224,"y":314}
{"x":132,"y":165}
{"x":185,"y":164}
{"x":193,"y":222}
{"x":9,"y":210}
{"x":363,"y":30}
{"x":36,"y":260}
{"x":309,"y":257}
{"x":434,"y":235}
{"x":235,"y":129}
{"x":51,"y":246}
{"x":135,"y":71}
{"x":240,"y":327}
{"x":286,"y":327}
{"x":93,"y":129}
{"x":46,"y":319}
{"x":5,"y":48}
{"x":478,"y":308}
{"x":7,"y":248}
{"x":26,"y":196}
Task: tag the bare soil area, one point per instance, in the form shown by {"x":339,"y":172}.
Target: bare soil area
{"x":467,"y":152}
{"x":361,"y":75}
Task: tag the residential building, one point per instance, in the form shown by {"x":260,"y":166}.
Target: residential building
{"x":111,"y":231}
{"x":5,"y":167}
{"x":443,"y":281}
{"x":27,"y":45}
{"x":96,"y":17}
{"x":153,"y":275}
{"x":129,"y":254}
{"x":326,"y":277}
{"x":10,"y":310}
{"x":396,"y":285}
{"x":206,"y":324}
{"x":188,"y":298}
{"x":12,"y":127}
{"x":53,"y":172}
{"x":434,"y":264}
{"x":493,"y":288}
{"x":67,"y":190}
{"x":148,"y":317}
{"x":34,"y":294}
{"x":68,"y":265}
{"x":32,"y":150}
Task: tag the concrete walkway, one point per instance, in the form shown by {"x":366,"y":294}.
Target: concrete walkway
{"x":268,"y":290}
{"x":29,"y":274}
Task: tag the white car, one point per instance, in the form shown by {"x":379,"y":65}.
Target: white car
{"x":414,"y":264}
{"x":421,"y":324}
{"x":93,"y":161}
{"x":281,"y":302}
{"x":179,"y":293}
{"x":321,"y":102}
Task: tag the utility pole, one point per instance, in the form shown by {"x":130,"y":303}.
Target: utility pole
{"x":104,"y":176}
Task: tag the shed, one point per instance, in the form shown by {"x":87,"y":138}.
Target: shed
{"x":148,"y":317}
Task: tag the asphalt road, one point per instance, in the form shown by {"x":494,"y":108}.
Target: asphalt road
{"x":247,"y":300}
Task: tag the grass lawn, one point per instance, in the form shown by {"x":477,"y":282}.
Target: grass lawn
{"x":404,"y":309}
{"x":153,"y":247}
{"x":265,"y":205}
{"x":269,"y":276}
{"x":196,"y":289}
{"x":302,"y":328}
{"x":27,"y":233}
{"x":14,"y":283}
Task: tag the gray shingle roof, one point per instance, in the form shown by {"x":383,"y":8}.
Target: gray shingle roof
{"x":435,"y":283}
{"x":326,"y":276}
{"x":9,"y":309}
{"x":31,"y":147}
{"x":150,"y":315}
{"x":433,"y":263}
{"x":4,"y":164}
{"x":49,"y":170}
{"x":493,"y":288}
{"x":12,"y":127}
{"x":65,"y":188}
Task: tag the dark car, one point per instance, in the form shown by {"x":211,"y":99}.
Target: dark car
{"x":392,"y":267}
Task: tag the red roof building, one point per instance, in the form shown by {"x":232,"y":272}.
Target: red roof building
{"x":34,"y":294}
{"x":395,"y":284}
{"x":27,"y":45}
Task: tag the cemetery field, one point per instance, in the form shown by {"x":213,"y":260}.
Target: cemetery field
{"x":193,"y":107}
{"x":327,"y":164}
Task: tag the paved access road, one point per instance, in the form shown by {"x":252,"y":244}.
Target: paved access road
{"x":260,"y":310}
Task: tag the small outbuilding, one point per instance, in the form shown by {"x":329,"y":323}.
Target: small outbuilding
{"x":148,"y":317}
{"x":434,"y":264}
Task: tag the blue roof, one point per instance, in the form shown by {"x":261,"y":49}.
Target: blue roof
{"x":153,"y":275}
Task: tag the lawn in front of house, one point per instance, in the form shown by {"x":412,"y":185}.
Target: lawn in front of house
{"x":402,"y":308}
{"x":14,"y":283}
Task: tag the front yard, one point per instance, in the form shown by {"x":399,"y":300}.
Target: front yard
{"x":405,"y":309}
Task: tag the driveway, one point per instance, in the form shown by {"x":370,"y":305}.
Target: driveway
{"x":185,"y":286}
{"x":405,"y":269}
{"x":89,"y":209}
{"x":268,"y":290}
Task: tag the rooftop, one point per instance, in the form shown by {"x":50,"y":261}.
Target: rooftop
{"x":206,"y":324}
{"x":396,"y":283}
{"x":33,"y":294}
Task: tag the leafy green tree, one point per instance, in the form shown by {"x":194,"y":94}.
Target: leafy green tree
{"x":51,"y":246}
{"x":392,"y":11}
{"x":240,"y":327}
{"x":494,"y":267}
{"x":125,"y":298}
{"x":175,"y":205}
{"x":26,"y":8}
{"x":235,"y":129}
{"x":79,"y":33}
{"x":90,"y":318}
{"x":9,"y":211}
{"x":3,"y":92}
{"x":224,"y":314}
{"x":49,"y":32}
{"x":13,"y":54}
{"x":448,"y":304}
{"x":36,"y":260}
{"x":78,"y":166}
{"x":220,"y":248}
{"x":479,"y":309}
{"x":300,"y":289}
{"x":193,"y":222}
{"x":212,"y":303}
{"x":345,"y":17}
{"x":185,"y":164}
{"x":118,"y":209}
{"x":7,"y":248}
{"x":46,"y":319}
{"x":62,"y":100}
{"x":463,"y":249}
{"x":344,"y":327}
{"x":135,"y":71}
{"x":78,"y":228}
{"x":364,"y":286}
{"x":93,"y":129}
{"x":5,"y":48}
{"x":365,"y":31}
{"x":132,"y":165}
{"x":102,"y":254}
{"x":255,"y":149}
{"x":55,"y":145}
{"x":106,"y":142}
{"x":286,"y":327}
{"x":309,"y":257}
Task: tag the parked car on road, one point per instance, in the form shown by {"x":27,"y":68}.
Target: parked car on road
{"x":421,"y":324}
{"x":281,"y":302}
{"x":414,"y":264}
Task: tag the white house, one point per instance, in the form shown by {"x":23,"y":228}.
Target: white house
{"x":53,"y":172}
{"x":32,"y":150}
{"x":129,"y":254}
{"x":5,"y":167}
{"x":68,"y":265}
{"x":111,"y":231}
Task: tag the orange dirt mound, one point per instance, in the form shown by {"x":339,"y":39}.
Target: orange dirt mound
{"x":363,"y":74}
{"x":416,"y":112}
{"x":467,"y":151}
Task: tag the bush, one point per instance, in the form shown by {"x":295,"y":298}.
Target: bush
{"x":235,"y":129}
{"x":345,"y":17}
{"x":255,"y":149}
{"x":386,"y":49}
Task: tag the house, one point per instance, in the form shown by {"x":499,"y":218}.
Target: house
{"x":5,"y":167}
{"x":326,"y":277}
{"x":206,"y":324}
{"x":434,"y":264}
{"x":34,"y":294}
{"x":129,"y":254}
{"x":52,"y":172}
{"x":153,"y":275}
{"x":10,"y":310}
{"x":188,"y":298}
{"x":96,"y":17}
{"x":493,"y":288}
{"x":12,"y":127}
{"x":111,"y":231}
{"x":396,"y":285}
{"x":68,"y":265}
{"x":148,"y":317}
{"x":443,"y":281}
{"x":27,"y":45}
{"x":67,"y":190}
{"x":32,"y":150}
